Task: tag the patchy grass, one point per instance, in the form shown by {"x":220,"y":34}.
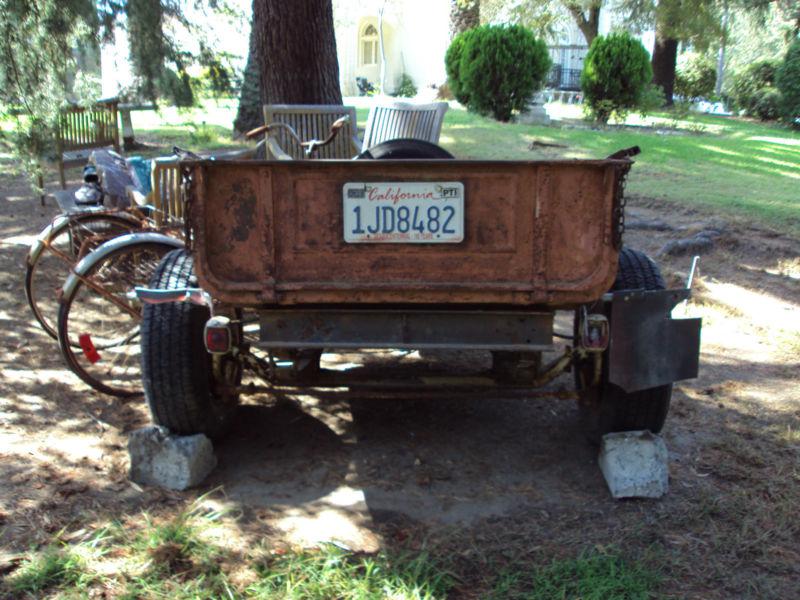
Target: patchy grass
{"x":330,"y":572}
{"x":591,"y":576}
{"x":180,"y":558}
{"x":53,"y":567}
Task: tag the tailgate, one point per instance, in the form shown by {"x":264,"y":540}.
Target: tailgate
{"x":535,"y":232}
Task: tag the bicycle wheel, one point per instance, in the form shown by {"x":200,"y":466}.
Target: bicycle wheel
{"x":57,"y":249}
{"x":98,"y":319}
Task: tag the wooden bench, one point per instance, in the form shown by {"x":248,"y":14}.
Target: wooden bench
{"x":80,"y":130}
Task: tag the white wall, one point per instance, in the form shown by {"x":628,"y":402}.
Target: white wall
{"x":416,"y":36}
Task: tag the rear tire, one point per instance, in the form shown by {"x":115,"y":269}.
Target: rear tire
{"x":178,"y":374}
{"x":607,"y":407}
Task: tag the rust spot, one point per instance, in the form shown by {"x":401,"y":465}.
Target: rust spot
{"x":242,"y":208}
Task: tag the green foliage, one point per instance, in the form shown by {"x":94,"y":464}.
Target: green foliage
{"x":495,"y":69}
{"x":767,"y":105}
{"x":651,"y":99}
{"x":747,"y":86}
{"x":545,"y":19}
{"x":406,"y":89}
{"x":695,"y":77}
{"x":51,"y":568}
{"x":593,"y":576}
{"x":330,"y":572}
{"x":38,"y":65}
{"x":202,"y":136}
{"x":452,"y":65}
{"x":176,"y":87}
{"x":788,"y":82}
{"x":148,"y":46}
{"x":217,"y":78}
{"x":615,"y":74}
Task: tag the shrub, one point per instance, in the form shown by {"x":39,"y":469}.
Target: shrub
{"x":695,"y":77}
{"x":747,"y":85}
{"x":406,"y":89}
{"x":499,"y":68}
{"x":788,"y":81}
{"x":615,"y":74}
{"x":452,"y":65}
{"x":767,"y":104}
{"x":444,"y":92}
{"x":651,"y":99}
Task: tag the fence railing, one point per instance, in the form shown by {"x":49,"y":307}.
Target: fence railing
{"x":560,"y":78}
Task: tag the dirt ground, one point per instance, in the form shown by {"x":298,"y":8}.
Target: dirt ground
{"x":489,"y":481}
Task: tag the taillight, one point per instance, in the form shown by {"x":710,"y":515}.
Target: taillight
{"x":218,"y":336}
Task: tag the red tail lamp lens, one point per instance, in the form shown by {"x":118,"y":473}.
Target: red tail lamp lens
{"x":218,"y":335}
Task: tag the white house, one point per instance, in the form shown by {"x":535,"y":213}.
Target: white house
{"x":416,"y":37}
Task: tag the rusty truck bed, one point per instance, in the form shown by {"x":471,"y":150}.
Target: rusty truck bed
{"x":535,"y":233}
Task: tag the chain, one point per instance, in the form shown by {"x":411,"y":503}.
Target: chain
{"x":619,"y":205}
{"x":187,"y":197}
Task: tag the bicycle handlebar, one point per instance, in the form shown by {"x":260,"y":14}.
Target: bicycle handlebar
{"x":309,"y":146}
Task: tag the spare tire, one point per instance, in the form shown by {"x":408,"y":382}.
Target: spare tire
{"x":405,"y":148}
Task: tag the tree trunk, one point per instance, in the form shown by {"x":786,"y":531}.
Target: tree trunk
{"x":665,"y":55}
{"x":589,"y":25}
{"x":464,"y":14}
{"x":250,"y":114}
{"x":297,"y":50}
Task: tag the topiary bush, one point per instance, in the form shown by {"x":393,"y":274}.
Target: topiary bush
{"x":788,"y":82}
{"x":748,"y":85}
{"x":615,"y":74}
{"x":452,"y":65}
{"x":495,"y":69}
{"x":695,"y":77}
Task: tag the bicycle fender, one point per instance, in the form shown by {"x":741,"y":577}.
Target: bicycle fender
{"x":103,"y":250}
{"x":54,"y":228}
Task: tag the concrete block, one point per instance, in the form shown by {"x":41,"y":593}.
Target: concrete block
{"x":169,"y":461}
{"x":635,"y":464}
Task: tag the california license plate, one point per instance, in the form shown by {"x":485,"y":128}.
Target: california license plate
{"x":418,"y":212}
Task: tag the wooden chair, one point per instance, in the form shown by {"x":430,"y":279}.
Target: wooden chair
{"x":395,"y":119}
{"x":310,"y":121}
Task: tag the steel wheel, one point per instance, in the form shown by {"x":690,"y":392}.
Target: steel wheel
{"x":98,"y":321}
{"x":57,"y":249}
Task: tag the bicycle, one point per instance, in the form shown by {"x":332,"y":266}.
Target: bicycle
{"x":99,"y":314}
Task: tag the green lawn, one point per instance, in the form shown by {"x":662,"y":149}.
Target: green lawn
{"x":731,"y":165}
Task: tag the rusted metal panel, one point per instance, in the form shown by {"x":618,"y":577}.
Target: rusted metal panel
{"x":364,"y":328}
{"x":535,"y":232}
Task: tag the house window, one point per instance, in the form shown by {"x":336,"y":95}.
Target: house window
{"x":369,"y":46}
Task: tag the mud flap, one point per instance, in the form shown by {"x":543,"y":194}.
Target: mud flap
{"x":649,"y":348}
